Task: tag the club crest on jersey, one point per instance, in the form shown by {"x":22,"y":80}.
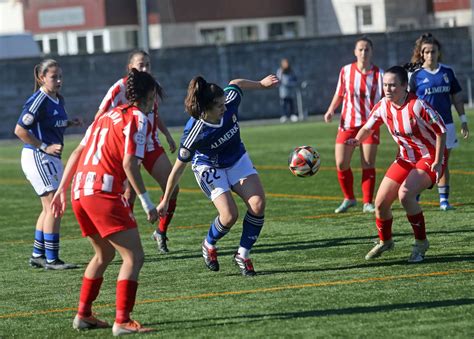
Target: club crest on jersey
{"x":28,"y":119}
{"x":445,"y":78}
{"x":234,"y":118}
{"x":139,"y":138}
{"x":184,"y":153}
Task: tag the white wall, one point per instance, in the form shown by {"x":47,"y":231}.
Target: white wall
{"x":11,"y":17}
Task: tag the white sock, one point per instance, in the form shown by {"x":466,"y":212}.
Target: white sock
{"x":243,"y":252}
{"x":209,"y":245}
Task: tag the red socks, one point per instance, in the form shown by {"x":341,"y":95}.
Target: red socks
{"x":126,"y":293}
{"x":417,"y":222}
{"x":368,"y":184}
{"x":89,"y":292}
{"x":165,"y":221}
{"x":384,"y":228}
{"x":346,"y":181}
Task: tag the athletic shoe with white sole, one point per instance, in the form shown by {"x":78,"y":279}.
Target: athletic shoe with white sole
{"x":85,"y":323}
{"x":58,"y":264}
{"x":245,"y":265}
{"x":368,"y":208}
{"x":378,"y":249}
{"x":445,"y":206}
{"x":419,"y":249}
{"x":346,"y":204}
{"x":37,"y":262}
{"x":161,"y":240}
{"x":130,"y":327}
{"x":210,"y":257}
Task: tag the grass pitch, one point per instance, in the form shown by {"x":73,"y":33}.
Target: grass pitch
{"x":313,"y":280}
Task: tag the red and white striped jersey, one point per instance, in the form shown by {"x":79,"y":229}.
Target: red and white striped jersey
{"x":360,"y":92}
{"x":116,"y":95}
{"x":110,"y":137}
{"x":413,"y":126}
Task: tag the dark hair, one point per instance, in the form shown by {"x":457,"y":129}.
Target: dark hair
{"x":139,"y":84}
{"x":201,"y":96}
{"x":41,"y":69}
{"x":400,"y":72}
{"x":426,"y":38}
{"x":159,"y":90}
{"x":366,"y":39}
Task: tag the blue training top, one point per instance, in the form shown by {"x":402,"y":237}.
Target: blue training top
{"x":45,"y":118}
{"x":216,"y":145}
{"x":436,"y":88}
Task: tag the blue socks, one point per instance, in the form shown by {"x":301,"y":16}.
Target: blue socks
{"x":252,"y":226}
{"x":443,"y":195}
{"x":51,"y":244}
{"x":38,"y":245}
{"x":216,"y":231}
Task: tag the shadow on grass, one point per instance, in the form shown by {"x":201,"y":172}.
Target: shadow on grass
{"x":238,"y":319}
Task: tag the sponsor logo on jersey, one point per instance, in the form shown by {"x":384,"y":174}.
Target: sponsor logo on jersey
{"x":139,"y":138}
{"x":28,"y":119}
{"x":61,"y":123}
{"x":226,"y":137}
{"x":184,"y":153}
{"x":438,"y":89}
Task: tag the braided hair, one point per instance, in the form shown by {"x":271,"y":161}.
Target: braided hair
{"x":140,"y":52}
{"x":139,"y":84}
{"x":201,"y":96}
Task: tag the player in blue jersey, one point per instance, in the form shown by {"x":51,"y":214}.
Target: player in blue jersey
{"x":211,"y":142}
{"x":436,"y":84}
{"x":41,"y":127}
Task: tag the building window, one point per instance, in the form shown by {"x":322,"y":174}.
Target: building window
{"x":131,"y":39}
{"x":283,"y":30}
{"x":40,"y":45}
{"x":213,"y":35}
{"x":53,"y":46}
{"x":364,"y":15}
{"x":98,"y":43}
{"x":245,"y":33}
{"x":81,"y":45}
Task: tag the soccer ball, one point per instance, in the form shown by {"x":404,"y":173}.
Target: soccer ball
{"x":304,"y":161}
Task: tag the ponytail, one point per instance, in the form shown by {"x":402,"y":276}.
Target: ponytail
{"x":41,"y":69}
{"x":139,"y":84}
{"x":201,"y":96}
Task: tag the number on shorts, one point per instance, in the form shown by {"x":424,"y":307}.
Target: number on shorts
{"x":208,"y":173}
{"x":96,"y":147}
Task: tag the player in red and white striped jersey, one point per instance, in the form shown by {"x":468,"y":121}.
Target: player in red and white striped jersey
{"x":359,"y":88}
{"x":421,"y":134}
{"x":106,"y":160}
{"x":156,"y":161}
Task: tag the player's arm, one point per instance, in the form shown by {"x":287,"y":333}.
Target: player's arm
{"x":162,"y":127}
{"x":173,"y":180}
{"x":28,"y":138}
{"x":58,"y":203}
{"x":335,"y":102}
{"x":131,"y":166}
{"x":268,"y":82}
{"x":439,"y":153}
{"x":363,"y":134}
{"x":459,"y":105}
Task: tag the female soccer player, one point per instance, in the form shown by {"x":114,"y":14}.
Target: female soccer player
{"x":108,"y":157}
{"x":436,"y":84}
{"x":220,"y":163}
{"x":421,"y":135}
{"x":359,"y":89}
{"x":156,"y":162}
{"x":41,"y":127}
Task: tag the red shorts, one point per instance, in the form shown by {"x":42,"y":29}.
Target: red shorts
{"x":350,"y":133}
{"x":400,"y":169}
{"x":151,"y":157}
{"x":104,"y":214}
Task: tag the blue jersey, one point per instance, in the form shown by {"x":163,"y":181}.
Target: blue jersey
{"x":45,"y":118}
{"x":216,"y":145}
{"x":436,"y":88}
